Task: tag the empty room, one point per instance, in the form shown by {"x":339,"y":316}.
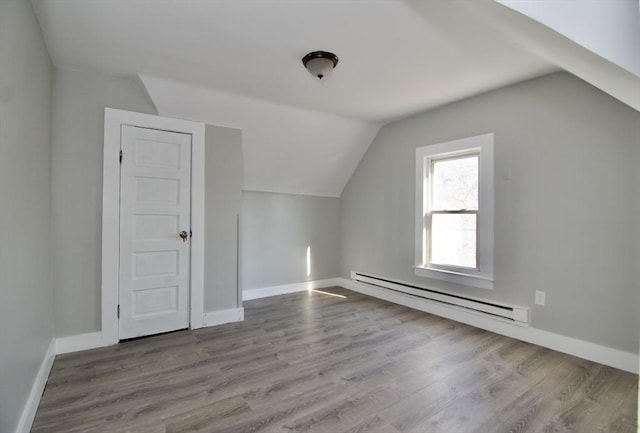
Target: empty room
{"x":278,"y":216}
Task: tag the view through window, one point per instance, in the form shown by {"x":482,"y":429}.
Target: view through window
{"x":452,"y":213}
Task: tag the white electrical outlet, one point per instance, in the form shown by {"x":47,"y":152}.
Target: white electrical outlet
{"x":540,"y":297}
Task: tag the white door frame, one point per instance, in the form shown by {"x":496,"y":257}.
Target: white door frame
{"x":113,"y":119}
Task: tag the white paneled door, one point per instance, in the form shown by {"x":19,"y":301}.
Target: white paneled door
{"x":155,"y":204}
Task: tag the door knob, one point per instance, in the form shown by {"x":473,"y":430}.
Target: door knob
{"x":184,"y":235}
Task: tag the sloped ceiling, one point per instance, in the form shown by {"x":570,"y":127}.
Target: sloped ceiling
{"x":286,"y":149}
{"x":237,"y":63}
{"x":598,"y":41}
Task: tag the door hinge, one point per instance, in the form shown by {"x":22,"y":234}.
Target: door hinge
{"x":120,"y":157}
{"x":118,"y":311}
{"x":190,"y":234}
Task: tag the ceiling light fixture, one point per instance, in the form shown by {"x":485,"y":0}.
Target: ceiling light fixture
{"x":320,"y":63}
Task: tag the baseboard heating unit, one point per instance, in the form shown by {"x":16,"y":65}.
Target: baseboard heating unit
{"x":512,"y":313}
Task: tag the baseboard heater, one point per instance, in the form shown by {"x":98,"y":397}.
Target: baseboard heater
{"x":513,"y":313}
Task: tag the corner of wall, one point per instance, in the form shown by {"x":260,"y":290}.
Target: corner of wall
{"x":138,"y":79}
{"x":31,"y":405}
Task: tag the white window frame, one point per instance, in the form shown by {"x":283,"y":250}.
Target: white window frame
{"x":483,"y":276}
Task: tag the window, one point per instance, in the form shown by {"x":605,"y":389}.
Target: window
{"x":454,"y":211}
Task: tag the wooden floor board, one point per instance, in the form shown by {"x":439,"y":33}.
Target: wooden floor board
{"x":310,"y":362}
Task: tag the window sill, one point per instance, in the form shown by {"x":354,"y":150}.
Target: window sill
{"x":479,"y":281}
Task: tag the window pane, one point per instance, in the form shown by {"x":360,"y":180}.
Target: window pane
{"x":453,"y":240}
{"x":455,"y":183}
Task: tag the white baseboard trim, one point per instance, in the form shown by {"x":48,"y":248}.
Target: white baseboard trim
{"x":31,"y":405}
{"x":583,"y":349}
{"x":212,"y":318}
{"x":76,"y":343}
{"x":92,"y":340}
{"x":264,"y":292}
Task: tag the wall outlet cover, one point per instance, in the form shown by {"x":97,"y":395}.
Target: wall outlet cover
{"x":540,"y":297}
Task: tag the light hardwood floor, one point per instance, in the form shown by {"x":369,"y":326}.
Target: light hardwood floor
{"x":325,"y":364}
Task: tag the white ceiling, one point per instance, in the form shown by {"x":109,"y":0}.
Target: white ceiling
{"x":238,"y":63}
{"x":286,"y":149}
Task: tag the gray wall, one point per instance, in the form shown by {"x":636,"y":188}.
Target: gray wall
{"x":26,"y":303}
{"x":223,"y":201}
{"x":566,"y":222}
{"x":79,"y":99}
{"x":276,"y":230}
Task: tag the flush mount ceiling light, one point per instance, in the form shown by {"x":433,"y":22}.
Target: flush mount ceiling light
{"x":320,"y":63}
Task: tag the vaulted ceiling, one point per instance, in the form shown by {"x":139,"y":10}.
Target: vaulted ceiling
{"x":238,"y":63}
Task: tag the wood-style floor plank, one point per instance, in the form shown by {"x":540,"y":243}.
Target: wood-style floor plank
{"x":310,"y":362}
